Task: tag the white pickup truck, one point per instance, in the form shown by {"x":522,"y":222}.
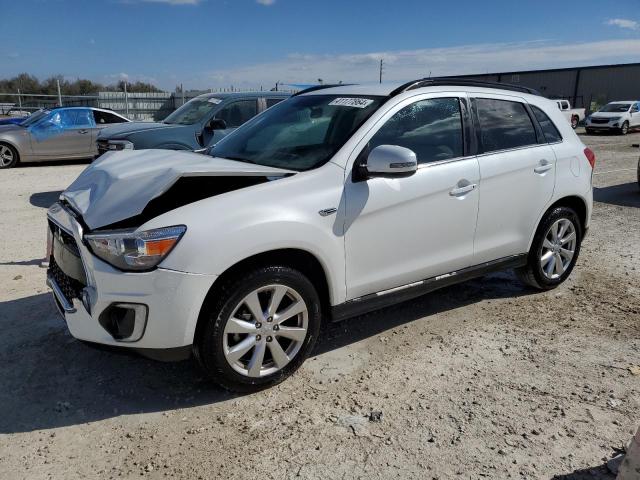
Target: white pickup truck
{"x":573,"y":115}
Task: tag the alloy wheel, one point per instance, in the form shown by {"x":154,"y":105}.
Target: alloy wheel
{"x":265,"y":331}
{"x":6,"y":156}
{"x":558,"y":248}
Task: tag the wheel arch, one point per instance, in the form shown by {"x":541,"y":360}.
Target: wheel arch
{"x":12,"y":145}
{"x":574,"y":202}
{"x":301,"y":260}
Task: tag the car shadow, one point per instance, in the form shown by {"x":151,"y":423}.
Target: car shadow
{"x":51,"y":380}
{"x":44,"y":199}
{"x":51,"y":163}
{"x":594,"y":473}
{"x":624,"y":195}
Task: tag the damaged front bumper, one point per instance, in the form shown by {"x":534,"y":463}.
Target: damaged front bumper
{"x":100,"y":304}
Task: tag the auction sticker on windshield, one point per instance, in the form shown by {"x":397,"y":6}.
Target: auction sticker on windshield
{"x":214,"y":100}
{"x":352,"y":102}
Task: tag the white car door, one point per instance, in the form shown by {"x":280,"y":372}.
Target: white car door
{"x":398,"y":231}
{"x":517,"y":170}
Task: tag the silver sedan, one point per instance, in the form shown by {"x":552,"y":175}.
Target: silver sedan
{"x":63,"y":133}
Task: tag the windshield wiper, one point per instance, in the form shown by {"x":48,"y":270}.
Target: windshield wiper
{"x":240,"y":159}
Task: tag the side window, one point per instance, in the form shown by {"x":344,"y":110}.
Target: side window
{"x":551,"y":133}
{"x":237,"y":113}
{"x":431,"y":128}
{"x":635,"y":108}
{"x":272,"y":101}
{"x":84,"y":118}
{"x":504,"y":124}
{"x":106,"y":118}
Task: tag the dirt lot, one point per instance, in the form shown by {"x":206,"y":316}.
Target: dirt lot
{"x":482,"y":380}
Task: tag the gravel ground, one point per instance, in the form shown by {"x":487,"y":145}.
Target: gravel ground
{"x":482,"y":380}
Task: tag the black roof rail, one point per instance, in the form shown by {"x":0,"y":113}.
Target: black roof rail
{"x":321,"y":87}
{"x":461,"y":82}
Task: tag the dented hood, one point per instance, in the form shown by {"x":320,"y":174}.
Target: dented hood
{"x":119,"y":185}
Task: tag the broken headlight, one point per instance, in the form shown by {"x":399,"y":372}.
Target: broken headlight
{"x":131,"y":250}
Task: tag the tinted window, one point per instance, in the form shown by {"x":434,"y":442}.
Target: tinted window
{"x":551,"y":133}
{"x":504,"y":125}
{"x":104,"y":118}
{"x":272,"y":101}
{"x":238,"y":113}
{"x":431,"y":128}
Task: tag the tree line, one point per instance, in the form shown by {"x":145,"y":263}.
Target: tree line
{"x":30,"y":84}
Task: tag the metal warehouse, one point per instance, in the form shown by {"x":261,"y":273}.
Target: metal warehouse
{"x":588,"y":87}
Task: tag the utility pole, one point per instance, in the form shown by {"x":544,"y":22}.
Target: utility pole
{"x":381,"y":66}
{"x":126,"y":99}
{"x":59,"y":96}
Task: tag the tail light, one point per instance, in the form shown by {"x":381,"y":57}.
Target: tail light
{"x":591,"y":157}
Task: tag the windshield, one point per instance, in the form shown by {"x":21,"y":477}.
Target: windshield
{"x":34,"y":117}
{"x":300,"y":133}
{"x":193,"y":111}
{"x":615,"y":107}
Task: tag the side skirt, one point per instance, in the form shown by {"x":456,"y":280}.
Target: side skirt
{"x":376,"y":301}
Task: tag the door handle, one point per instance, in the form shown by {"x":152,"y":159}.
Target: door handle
{"x":460,"y":191}
{"x":83,"y":131}
{"x":543,"y":166}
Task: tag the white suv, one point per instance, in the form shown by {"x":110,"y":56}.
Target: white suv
{"x":335,"y":202}
{"x":615,"y":117}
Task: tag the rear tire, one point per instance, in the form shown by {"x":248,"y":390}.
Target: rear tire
{"x":250,"y":341}
{"x":554,"y":250}
{"x":9,"y":157}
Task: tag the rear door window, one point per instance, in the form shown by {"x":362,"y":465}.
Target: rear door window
{"x":237,"y":113}
{"x":551,"y":133}
{"x":106,"y":118}
{"x":504,"y":125}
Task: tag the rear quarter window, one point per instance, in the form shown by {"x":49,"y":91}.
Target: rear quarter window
{"x":551,"y":133}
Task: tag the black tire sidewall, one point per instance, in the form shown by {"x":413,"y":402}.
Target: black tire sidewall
{"x":536,"y":247}
{"x":16,"y":157}
{"x":210,"y":344}
{"x":622,"y":129}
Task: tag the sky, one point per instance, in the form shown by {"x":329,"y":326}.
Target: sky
{"x":252,"y":43}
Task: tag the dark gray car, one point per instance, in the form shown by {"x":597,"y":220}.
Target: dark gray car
{"x":198,"y":123}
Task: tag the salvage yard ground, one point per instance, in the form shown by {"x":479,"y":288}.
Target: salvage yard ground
{"x":483,"y":380}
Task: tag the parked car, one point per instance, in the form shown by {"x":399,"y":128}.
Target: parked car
{"x":198,"y":123}
{"x":615,"y":117}
{"x":573,"y":115}
{"x":335,"y":202}
{"x":61,"y":133}
{"x":12,"y":120}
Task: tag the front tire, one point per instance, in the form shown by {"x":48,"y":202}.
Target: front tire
{"x":574,"y":122}
{"x":625,"y":128}
{"x":8,"y":156}
{"x":260,"y":329}
{"x":554,"y":250}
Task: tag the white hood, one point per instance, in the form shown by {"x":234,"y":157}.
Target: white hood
{"x":120,"y":184}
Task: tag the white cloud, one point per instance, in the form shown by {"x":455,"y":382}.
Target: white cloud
{"x":624,"y":23}
{"x":402,"y":65}
{"x":266,"y":2}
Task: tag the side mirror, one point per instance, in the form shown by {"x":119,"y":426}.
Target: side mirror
{"x":391,"y":161}
{"x":216,"y":124}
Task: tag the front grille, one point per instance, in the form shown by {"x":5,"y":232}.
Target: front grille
{"x":64,"y":237}
{"x":599,"y":120}
{"x":70,"y":287}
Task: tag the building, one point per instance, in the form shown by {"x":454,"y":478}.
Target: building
{"x":588,"y":87}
